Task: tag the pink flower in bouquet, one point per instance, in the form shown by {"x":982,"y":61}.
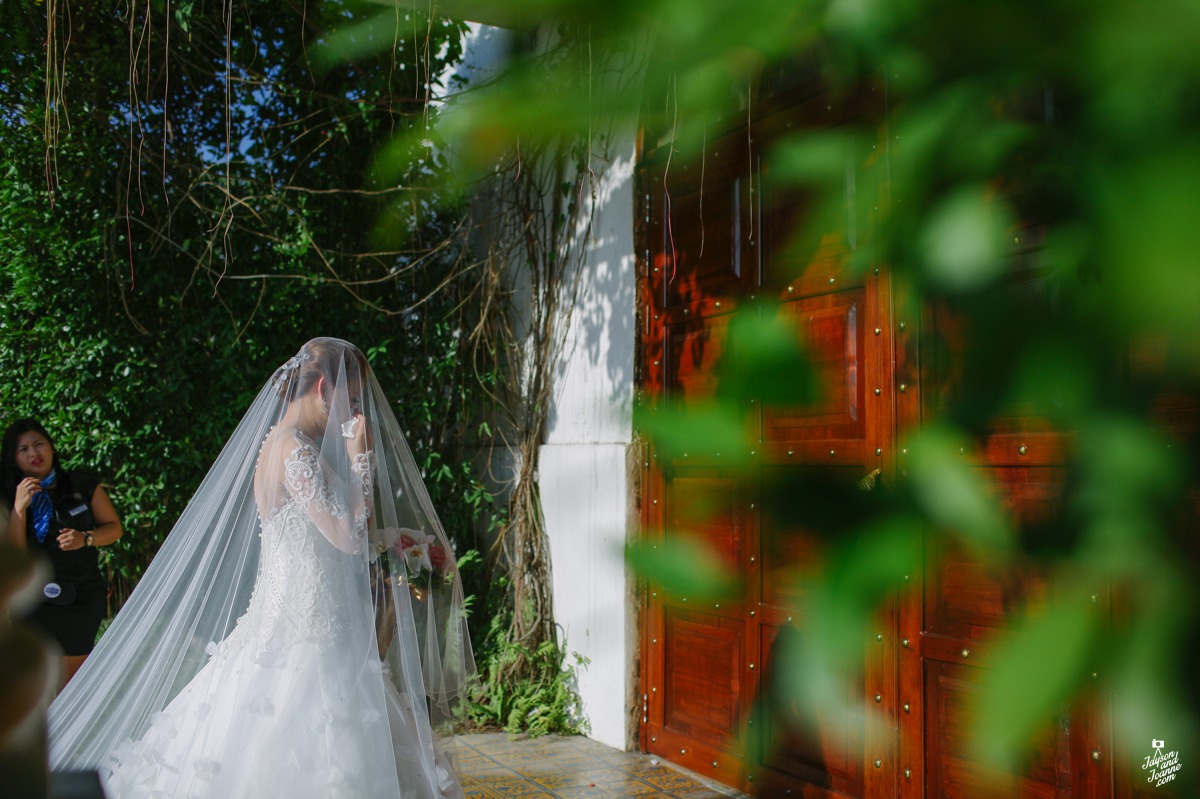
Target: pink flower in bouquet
{"x":403,"y":539}
{"x":437,"y":557}
{"x":420,"y":552}
{"x":413,"y":546}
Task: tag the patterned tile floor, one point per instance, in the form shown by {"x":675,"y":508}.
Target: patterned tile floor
{"x":496,"y":766}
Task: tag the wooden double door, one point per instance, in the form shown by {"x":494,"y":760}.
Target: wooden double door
{"x":715,"y":243}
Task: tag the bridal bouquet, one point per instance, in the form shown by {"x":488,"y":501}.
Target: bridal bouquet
{"x":424,"y":559}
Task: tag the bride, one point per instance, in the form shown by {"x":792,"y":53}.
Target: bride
{"x":301,"y":631}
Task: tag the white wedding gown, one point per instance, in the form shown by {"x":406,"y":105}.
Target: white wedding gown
{"x":294,"y":702}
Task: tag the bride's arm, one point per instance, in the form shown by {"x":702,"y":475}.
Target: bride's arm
{"x":339,"y":509}
{"x":362,"y":466}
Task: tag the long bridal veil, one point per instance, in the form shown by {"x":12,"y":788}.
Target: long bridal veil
{"x":301,"y":631}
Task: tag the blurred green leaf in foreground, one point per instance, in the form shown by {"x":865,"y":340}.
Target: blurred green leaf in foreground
{"x":1077,"y":122}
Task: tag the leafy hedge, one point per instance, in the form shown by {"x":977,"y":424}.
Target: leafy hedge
{"x":131,"y":320}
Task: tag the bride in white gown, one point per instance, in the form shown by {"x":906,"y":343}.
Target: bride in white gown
{"x":301,"y":631}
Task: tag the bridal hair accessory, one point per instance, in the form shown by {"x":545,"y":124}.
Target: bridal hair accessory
{"x":283,"y":375}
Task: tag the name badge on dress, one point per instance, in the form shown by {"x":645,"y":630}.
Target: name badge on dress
{"x":74,"y":516}
{"x":59,"y":593}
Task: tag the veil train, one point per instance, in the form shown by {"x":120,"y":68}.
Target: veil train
{"x":301,"y":632}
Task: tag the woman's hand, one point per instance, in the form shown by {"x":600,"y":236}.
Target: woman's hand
{"x":70,"y":539}
{"x":356,"y":444}
{"x":25,"y":491}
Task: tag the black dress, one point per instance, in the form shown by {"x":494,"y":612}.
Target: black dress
{"x":72,"y":605}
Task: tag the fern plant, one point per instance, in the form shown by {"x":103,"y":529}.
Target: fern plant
{"x":545,"y":702}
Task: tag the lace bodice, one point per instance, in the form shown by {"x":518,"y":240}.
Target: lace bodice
{"x":312,"y":580}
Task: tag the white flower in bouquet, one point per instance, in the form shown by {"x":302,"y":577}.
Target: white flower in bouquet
{"x":381,"y":540}
{"x":417,"y":553}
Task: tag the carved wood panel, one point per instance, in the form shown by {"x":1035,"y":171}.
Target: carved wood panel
{"x":965,"y":606}
{"x":716,"y":244}
{"x":717,"y":238}
{"x":693,"y":348}
{"x":826,"y":754}
{"x":703,"y":665}
{"x":971,"y":600}
{"x":831,"y":328}
{"x":955,"y":772}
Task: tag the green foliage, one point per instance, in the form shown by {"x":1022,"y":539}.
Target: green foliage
{"x":683,"y":566}
{"x":174,"y":254}
{"x":955,"y":498}
{"x":1021,"y":669}
{"x":152,"y":281}
{"x":1076,"y":118}
{"x":544,"y":703}
{"x":120,"y":274}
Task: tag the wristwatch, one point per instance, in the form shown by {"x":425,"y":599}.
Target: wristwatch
{"x":87,"y":539}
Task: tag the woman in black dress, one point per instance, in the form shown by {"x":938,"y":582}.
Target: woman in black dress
{"x":65,"y":515}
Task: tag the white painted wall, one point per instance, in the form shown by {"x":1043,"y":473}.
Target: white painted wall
{"x":584,"y":472}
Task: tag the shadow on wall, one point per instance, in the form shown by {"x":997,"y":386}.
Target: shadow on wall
{"x":485,"y":49}
{"x":603,"y":332}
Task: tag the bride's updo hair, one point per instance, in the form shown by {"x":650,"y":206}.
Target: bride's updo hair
{"x":320,"y":357}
